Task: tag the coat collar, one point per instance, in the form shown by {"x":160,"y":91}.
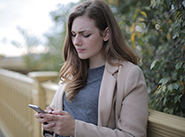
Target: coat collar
{"x":110,"y":68}
{"x":106,"y":95}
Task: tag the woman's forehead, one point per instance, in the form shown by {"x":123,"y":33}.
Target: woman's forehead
{"x":83,"y":23}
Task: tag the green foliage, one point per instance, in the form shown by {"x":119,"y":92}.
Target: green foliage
{"x":169,"y":59}
{"x":155,"y":28}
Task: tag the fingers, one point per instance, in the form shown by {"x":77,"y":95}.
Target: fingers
{"x":44,"y":118}
{"x":59,"y":112}
{"x":51,"y":116}
{"x":49,"y":126}
{"x":64,"y":123}
{"x":49,"y":110}
{"x":60,"y":122}
{"x":37,"y":115}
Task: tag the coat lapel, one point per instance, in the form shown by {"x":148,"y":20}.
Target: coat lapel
{"x":106,"y":94}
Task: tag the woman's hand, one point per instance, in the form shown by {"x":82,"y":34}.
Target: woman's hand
{"x":64,"y":123}
{"x":60,"y":122}
{"x":46,"y":119}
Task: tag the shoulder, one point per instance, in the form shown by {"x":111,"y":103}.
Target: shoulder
{"x":129,"y":65}
{"x":123,"y":68}
{"x":60,"y":90}
{"x":130,"y":74}
{"x":130,"y":79}
{"x":129,"y":68}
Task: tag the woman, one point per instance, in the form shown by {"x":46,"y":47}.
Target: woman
{"x":102,"y":92}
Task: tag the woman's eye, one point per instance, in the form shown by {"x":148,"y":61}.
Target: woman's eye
{"x":73,"y":35}
{"x":87,"y":35}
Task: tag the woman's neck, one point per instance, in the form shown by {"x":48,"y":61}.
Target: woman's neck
{"x":98,"y":62}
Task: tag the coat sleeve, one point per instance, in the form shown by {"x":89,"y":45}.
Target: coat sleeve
{"x":133,"y":114}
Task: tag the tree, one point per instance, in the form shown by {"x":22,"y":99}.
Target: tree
{"x":156,"y":29}
{"x":55,"y":38}
{"x":30,"y":41}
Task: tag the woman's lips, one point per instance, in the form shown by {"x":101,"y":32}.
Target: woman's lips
{"x":80,"y":50}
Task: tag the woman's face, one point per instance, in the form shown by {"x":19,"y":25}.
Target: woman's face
{"x":86,"y":38}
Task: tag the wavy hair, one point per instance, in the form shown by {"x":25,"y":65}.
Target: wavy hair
{"x":74,"y":71}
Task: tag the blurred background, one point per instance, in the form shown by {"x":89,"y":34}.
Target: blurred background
{"x":28,"y":29}
{"x":32,"y":33}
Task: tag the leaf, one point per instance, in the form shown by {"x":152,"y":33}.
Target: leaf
{"x":171,"y":111}
{"x":174,"y":74}
{"x":121,"y":23}
{"x":168,"y":3}
{"x":164,"y":101}
{"x":178,"y":15}
{"x":116,"y":2}
{"x":110,"y":1}
{"x":170,"y":87}
{"x":165,"y":110}
{"x":132,"y":27}
{"x":135,"y":15}
{"x":141,"y":19}
{"x":175,"y":86}
{"x":163,"y":81}
{"x":178,"y":65}
{"x":152,"y":3}
{"x":176,"y":35}
{"x":147,"y":8}
{"x":153,"y":64}
{"x":134,"y":45}
{"x":156,"y":64}
{"x":144,"y":14}
{"x":157,"y":89}
{"x":141,"y":42}
{"x":133,"y":37}
{"x":182,"y":84}
{"x":176,"y":99}
{"x":163,"y":89}
{"x":168,"y":36}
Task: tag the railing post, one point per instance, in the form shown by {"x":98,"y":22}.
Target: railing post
{"x":40,"y":77}
{"x":38,"y":94}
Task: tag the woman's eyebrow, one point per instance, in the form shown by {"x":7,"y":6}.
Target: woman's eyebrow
{"x":81,"y":31}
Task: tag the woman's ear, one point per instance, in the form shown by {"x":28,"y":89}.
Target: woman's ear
{"x":106,"y":34}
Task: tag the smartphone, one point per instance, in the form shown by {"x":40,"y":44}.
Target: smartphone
{"x":36,"y":108}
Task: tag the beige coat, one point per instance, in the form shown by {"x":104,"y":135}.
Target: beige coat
{"x":123,"y":104}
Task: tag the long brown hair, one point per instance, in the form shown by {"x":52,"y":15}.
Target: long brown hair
{"x":74,"y":71}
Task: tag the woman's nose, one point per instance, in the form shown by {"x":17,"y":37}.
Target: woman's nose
{"x":77,"y":40}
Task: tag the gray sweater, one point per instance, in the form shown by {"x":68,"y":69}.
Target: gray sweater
{"x":85,"y":105}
